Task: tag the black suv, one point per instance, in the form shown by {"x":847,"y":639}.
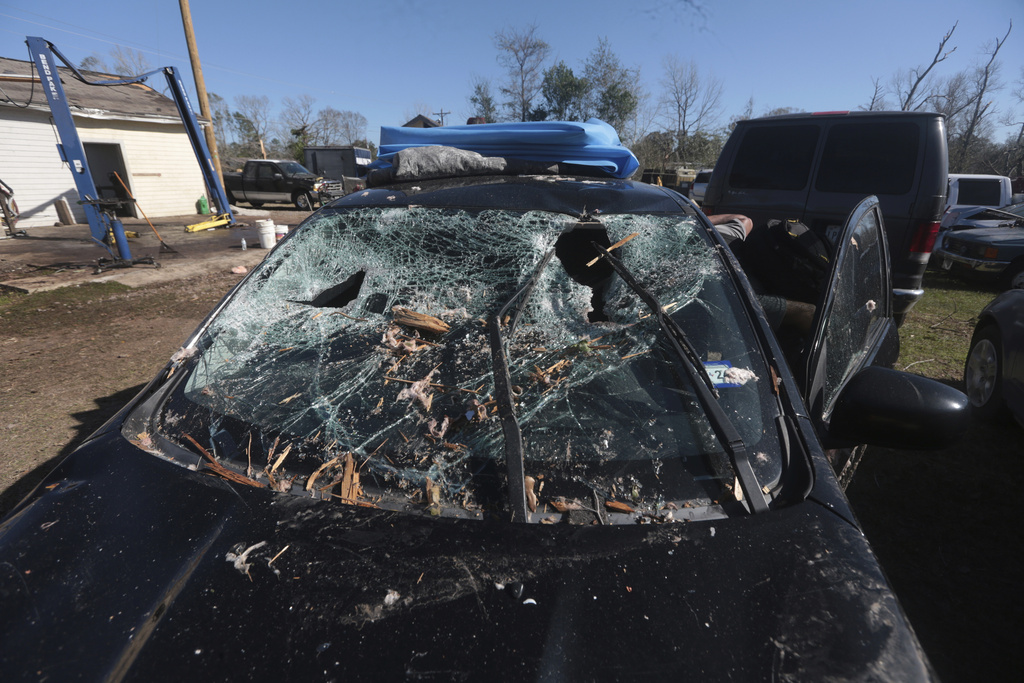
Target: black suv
{"x":815,"y":167}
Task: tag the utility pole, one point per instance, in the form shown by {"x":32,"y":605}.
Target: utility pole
{"x":441,"y":114}
{"x":204,"y":101}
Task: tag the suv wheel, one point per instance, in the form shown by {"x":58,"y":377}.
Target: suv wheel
{"x":1015,"y":275}
{"x":983,"y":374}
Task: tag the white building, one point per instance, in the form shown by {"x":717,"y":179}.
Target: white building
{"x":132,"y":130}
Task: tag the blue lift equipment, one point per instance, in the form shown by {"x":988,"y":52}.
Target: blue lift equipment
{"x":106,"y":228}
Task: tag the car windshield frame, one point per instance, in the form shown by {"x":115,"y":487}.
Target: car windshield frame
{"x":294,"y":168}
{"x":611,"y":423}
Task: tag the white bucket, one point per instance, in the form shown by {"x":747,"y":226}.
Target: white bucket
{"x":266,"y":231}
{"x":280,"y":231}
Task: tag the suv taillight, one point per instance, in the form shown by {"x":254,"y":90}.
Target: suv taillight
{"x":924,"y":237}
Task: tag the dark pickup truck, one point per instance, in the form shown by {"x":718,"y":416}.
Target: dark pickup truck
{"x":264,"y":181}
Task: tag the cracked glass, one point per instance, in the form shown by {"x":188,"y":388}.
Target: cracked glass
{"x":355,"y":364}
{"x":859,"y":306}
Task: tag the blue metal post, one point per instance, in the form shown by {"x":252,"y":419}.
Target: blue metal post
{"x":195,"y":135}
{"x":71,"y":149}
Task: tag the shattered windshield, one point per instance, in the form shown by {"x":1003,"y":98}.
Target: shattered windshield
{"x":355,"y":364}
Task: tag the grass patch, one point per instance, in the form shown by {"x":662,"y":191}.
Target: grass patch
{"x":935,"y":336}
{"x":16,"y":308}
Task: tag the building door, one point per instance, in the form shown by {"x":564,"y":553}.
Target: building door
{"x":104,"y":161}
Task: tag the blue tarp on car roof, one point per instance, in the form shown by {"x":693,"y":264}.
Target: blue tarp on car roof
{"x":593,"y":143}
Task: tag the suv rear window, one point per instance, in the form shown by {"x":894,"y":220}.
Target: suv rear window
{"x":880,"y":158}
{"x":978,"y":192}
{"x":775,"y":158}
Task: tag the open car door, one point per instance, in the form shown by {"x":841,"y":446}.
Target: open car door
{"x":852,"y":393}
{"x":853,"y":324}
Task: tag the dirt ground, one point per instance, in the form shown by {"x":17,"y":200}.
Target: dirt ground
{"x":944,"y":526}
{"x":69,"y":358}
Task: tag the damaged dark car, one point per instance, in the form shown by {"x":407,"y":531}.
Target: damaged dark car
{"x":520,"y":425}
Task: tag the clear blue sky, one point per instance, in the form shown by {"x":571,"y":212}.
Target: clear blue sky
{"x":389,"y":61}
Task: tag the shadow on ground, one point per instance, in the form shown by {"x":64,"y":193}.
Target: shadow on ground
{"x":944,"y":525}
{"x":88,"y":421}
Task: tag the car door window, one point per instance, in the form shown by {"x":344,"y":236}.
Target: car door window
{"x":856,"y":311}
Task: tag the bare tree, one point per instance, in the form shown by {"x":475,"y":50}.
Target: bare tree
{"x":978,"y":116}
{"x":327,"y":128}
{"x":296,"y":124}
{"x":254,"y":125}
{"x":129,"y":62}
{"x":643,"y":121}
{"x":92,"y":63}
{"x":691,"y":103}
{"x":1014,"y":165}
{"x":297,"y":114}
{"x":345,"y":126}
{"x":782,"y":111}
{"x":522,"y":54}
{"x":877,"y":102}
{"x":221,"y":116}
{"x":747,"y":113}
{"x":654,"y":149}
{"x":911,"y":87}
{"x":951,"y":96}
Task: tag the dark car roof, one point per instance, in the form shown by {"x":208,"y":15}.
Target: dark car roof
{"x":574,"y":195}
{"x":844,"y":115}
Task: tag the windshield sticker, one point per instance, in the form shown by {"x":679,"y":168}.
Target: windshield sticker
{"x":723,"y":374}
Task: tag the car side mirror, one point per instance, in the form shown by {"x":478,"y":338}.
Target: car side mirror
{"x":884,"y":407}
{"x":278,"y":176}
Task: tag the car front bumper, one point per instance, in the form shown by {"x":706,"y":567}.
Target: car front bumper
{"x":947,"y":260}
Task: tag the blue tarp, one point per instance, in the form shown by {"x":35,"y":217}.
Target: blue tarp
{"x":593,"y":143}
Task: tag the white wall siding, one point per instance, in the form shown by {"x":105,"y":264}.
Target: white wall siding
{"x":29,"y":163}
{"x":163,"y":173}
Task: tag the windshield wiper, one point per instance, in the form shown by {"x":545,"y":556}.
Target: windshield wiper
{"x":514,"y":457}
{"x":707,"y":394}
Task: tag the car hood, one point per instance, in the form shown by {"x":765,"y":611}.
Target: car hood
{"x":977,"y":216}
{"x":126,"y":566}
{"x":989,"y":235}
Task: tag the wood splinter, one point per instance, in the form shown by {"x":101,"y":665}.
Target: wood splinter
{"x":419,"y":321}
{"x":612,"y":248}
